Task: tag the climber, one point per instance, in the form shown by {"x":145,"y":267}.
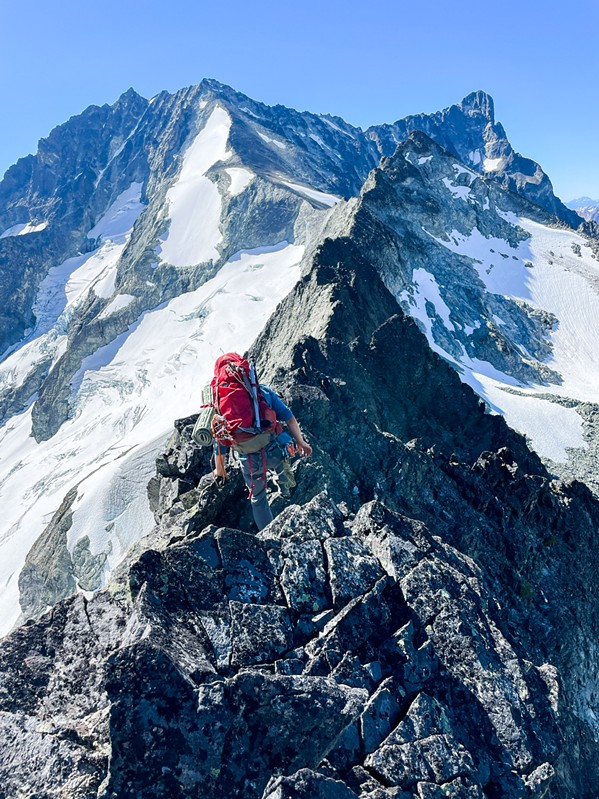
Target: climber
{"x":249,"y":419}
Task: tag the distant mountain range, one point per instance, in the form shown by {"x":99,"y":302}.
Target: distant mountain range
{"x":586,"y":208}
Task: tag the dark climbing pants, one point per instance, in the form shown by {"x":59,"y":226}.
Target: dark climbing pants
{"x":254,"y":469}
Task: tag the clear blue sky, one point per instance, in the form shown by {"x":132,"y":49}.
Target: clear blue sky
{"x":370,"y":61}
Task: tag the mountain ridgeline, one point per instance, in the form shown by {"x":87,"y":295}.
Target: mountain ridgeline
{"x":419,"y":621}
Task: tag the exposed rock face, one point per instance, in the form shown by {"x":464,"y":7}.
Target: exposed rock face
{"x":48,"y":574}
{"x":437,"y":643}
{"x":405,"y":214}
{"x":56,"y":187}
{"x":457,"y":254}
{"x":469,"y":131}
{"x":417,"y":438}
{"x":586,"y":208}
{"x":226,"y":660}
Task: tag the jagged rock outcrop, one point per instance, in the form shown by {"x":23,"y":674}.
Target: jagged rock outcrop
{"x":474,"y":266}
{"x":56,"y":189}
{"x":431,"y":634}
{"x":317,"y":658}
{"x":469,"y":131}
{"x":414,"y":436}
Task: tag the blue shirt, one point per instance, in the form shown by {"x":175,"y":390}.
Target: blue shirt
{"x":284,"y":414}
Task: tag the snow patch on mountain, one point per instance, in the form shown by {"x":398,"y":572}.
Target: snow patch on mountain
{"x":68,"y":283}
{"x":492,"y":164}
{"x":23,"y":229}
{"x":427,"y":292}
{"x":335,"y":127}
{"x":460,"y":192}
{"x":117,"y":222}
{"x":281,"y":145}
{"x":552,"y":428}
{"x":66,"y":286}
{"x":118,"y":303}
{"x":240,"y":179}
{"x":460,"y":169}
{"x":554,"y":271}
{"x":319,"y":196}
{"x":194,"y":202}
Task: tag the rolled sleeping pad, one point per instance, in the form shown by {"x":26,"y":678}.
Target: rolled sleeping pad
{"x":202,"y":430}
{"x":207,"y":394}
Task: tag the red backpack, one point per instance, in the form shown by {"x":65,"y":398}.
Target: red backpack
{"x":244,"y":419}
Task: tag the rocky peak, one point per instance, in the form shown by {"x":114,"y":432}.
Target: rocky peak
{"x":479,"y":102}
{"x":468,"y":131}
{"x":55,"y":193}
{"x":460,"y":256}
{"x":586,"y":208}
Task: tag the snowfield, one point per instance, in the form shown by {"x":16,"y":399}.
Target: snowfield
{"x":124,"y":399}
{"x":125,"y":396}
{"x":552,"y":270}
{"x":240,"y":179}
{"x":23,"y":229}
{"x":194,"y":202}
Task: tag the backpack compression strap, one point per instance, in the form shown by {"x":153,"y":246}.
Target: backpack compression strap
{"x":254,"y":388}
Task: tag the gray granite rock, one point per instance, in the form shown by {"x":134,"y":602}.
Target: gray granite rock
{"x":381,"y":714}
{"x":259,"y":633}
{"x":307,"y":784}
{"x":303,"y":576}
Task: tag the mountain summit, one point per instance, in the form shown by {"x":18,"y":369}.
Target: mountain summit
{"x":470,"y":132}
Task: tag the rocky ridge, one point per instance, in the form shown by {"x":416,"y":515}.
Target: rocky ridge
{"x":456,"y":251}
{"x":316,"y":659}
{"x":423,"y":629}
{"x":470,"y":132}
{"x":297,"y":165}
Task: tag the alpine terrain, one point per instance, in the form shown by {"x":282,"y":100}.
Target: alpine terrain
{"x":586,"y":208}
{"x":420,"y":619}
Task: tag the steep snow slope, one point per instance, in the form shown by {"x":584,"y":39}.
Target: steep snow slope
{"x":194,"y":202}
{"x":124,"y":396}
{"x":553,"y":271}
